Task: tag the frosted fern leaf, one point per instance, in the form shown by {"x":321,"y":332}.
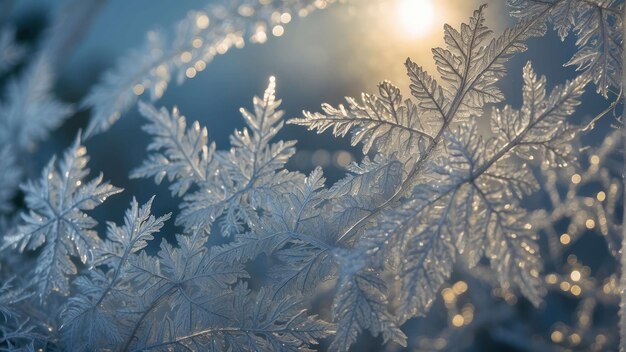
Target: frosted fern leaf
{"x":231,"y":185}
{"x":186,"y":155}
{"x":198,"y":38}
{"x":295,"y":234}
{"x":470,"y":66}
{"x":368,"y":186}
{"x":186,"y":281}
{"x":385,"y":123}
{"x":57,"y":220}
{"x":292,"y":217}
{"x":361,"y":302}
{"x":91,"y":319}
{"x":597,"y":25}
{"x":10,"y":295}
{"x":474,"y":209}
{"x":256,"y":323}
{"x":204,"y":312}
{"x":15,"y":329}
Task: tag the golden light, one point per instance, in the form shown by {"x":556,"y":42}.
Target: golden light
{"x":459,"y":287}
{"x":416,"y":17}
{"x":556,"y":336}
{"x":551,"y":279}
{"x":458,"y":320}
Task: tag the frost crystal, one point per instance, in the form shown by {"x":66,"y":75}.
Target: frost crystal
{"x":598,"y":28}
{"x":57,"y":220}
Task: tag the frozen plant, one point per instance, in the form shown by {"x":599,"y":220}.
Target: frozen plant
{"x":432,"y":194}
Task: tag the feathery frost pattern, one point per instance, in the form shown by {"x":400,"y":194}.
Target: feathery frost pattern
{"x":379,"y":121}
{"x":199,"y":38}
{"x":456,"y":186}
{"x":233,"y":183}
{"x":433,"y":195}
{"x":598,"y":28}
{"x":206,"y":309}
{"x":101,"y":302}
{"x":57,"y":220}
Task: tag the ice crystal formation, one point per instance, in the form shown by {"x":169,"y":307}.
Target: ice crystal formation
{"x":435,"y":201}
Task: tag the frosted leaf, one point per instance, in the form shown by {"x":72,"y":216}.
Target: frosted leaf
{"x":17,"y":332}
{"x":294,"y":233}
{"x":367,"y":187}
{"x":470,"y":66}
{"x":139,"y":227}
{"x":470,"y":206}
{"x":543,"y":117}
{"x":384,"y":123}
{"x":294,"y":217}
{"x":57,"y":220}
{"x":203,"y":309}
{"x":184,"y":280}
{"x":390,"y":213}
{"x":463,"y":51}
{"x":490,"y":65}
{"x":361,"y":303}
{"x":90,"y":319}
{"x":428,"y":92}
{"x":257,"y":323}
{"x":184,"y":156}
{"x":598,"y":29}
{"x":198,"y":38}
{"x":10,"y":296}
{"x":88,"y":322}
{"x":426,"y":248}
{"x":248,"y":175}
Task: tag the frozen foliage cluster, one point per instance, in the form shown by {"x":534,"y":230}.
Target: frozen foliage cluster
{"x":433,"y":194}
{"x":597,"y":25}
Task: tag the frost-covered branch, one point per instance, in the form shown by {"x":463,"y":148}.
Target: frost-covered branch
{"x":198,"y":38}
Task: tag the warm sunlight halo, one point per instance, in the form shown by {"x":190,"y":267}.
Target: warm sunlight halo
{"x":416,"y":17}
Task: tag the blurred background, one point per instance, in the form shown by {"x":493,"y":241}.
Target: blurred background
{"x":341,"y":51}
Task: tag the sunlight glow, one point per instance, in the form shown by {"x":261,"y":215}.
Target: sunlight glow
{"x":416,"y":17}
